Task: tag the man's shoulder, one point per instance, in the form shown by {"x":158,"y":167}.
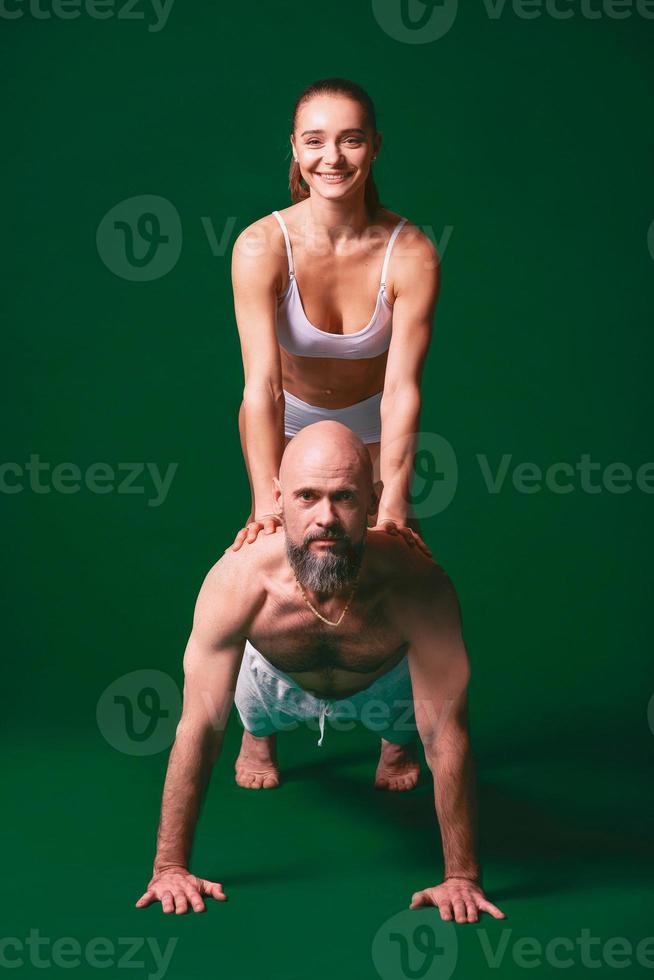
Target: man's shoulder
{"x":417,"y":586}
{"x":235,"y":586}
{"x":406,"y":566}
{"x":422,"y":601}
{"x":246,"y":568}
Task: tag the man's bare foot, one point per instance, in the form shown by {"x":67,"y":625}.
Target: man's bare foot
{"x":256,"y":766}
{"x":398,"y":767}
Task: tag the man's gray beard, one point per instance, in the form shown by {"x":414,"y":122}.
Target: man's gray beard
{"x":326,"y":572}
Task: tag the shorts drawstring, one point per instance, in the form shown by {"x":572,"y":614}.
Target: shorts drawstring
{"x":325,"y":707}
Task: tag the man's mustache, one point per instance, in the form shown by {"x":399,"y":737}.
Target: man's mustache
{"x":328,"y":535}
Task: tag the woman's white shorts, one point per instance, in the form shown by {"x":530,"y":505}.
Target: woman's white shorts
{"x":363,"y":417}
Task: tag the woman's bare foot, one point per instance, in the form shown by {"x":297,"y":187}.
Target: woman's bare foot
{"x":398,"y":767}
{"x":256,"y":766}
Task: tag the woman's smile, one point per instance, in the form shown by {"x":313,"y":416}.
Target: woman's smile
{"x":333,"y":177}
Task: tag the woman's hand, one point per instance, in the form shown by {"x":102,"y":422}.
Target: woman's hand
{"x":458,"y":899}
{"x":268,"y":523}
{"x":409,"y":535}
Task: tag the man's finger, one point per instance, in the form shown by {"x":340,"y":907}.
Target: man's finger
{"x":473,"y":915}
{"x":420,"y":898}
{"x":445,"y":909}
{"x":146,"y":899}
{"x":460,"y":912}
{"x":167,"y":903}
{"x":215,"y":889}
{"x":486,"y":906}
{"x":181,"y":903}
{"x":195,"y":899}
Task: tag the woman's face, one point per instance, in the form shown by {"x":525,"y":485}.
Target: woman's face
{"x":331,"y":138}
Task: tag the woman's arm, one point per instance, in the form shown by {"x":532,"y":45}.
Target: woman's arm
{"x":416,"y":281}
{"x":254,"y":281}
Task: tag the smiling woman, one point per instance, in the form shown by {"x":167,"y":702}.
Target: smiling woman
{"x":334,"y":314}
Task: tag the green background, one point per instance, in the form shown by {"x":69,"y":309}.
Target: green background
{"x":527,"y":144}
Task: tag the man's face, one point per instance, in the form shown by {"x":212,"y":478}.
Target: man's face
{"x":324,"y":515}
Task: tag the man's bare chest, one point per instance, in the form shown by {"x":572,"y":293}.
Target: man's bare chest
{"x":292,"y":638}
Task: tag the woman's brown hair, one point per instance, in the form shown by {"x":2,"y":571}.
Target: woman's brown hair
{"x":335,"y":86}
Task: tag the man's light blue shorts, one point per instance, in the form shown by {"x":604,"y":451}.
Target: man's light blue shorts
{"x":269,"y":701}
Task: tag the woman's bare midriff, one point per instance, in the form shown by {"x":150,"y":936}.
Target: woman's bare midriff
{"x":331,"y":382}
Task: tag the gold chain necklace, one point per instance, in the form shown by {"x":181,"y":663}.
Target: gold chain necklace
{"x":315,"y":611}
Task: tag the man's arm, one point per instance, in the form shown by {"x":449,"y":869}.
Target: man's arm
{"x":440,"y":671}
{"x":211,"y":664}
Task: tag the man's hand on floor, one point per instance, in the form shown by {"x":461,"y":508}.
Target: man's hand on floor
{"x":177,"y":889}
{"x":458,"y":899}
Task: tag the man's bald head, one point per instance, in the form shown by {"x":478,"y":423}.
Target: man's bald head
{"x":328,"y":445}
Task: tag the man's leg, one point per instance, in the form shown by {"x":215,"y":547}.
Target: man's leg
{"x":398,"y":768}
{"x":386,"y":707}
{"x":256,"y":766}
{"x":261,"y":699}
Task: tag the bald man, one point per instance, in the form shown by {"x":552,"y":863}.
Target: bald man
{"x":324,"y":621}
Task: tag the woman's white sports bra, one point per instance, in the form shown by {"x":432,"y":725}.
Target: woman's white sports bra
{"x":297,"y":334}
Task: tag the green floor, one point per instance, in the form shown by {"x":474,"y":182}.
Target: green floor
{"x":320,"y":872}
